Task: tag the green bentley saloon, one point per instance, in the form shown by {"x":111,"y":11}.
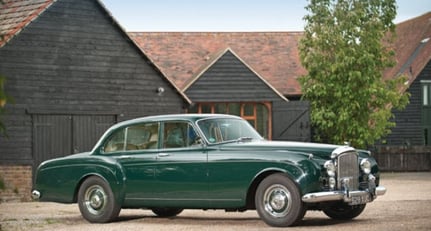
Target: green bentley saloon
{"x":208,"y":161}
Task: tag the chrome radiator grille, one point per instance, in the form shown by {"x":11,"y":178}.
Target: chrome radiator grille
{"x":348,"y":168}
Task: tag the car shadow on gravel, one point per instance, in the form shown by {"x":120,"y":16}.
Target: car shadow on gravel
{"x":125,"y":218}
{"x":319,"y":222}
{"x":190,"y":220}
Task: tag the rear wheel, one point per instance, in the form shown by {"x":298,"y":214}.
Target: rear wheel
{"x":96,"y":201}
{"x":343,"y":211}
{"x":278,"y":201}
{"x":166,"y":212}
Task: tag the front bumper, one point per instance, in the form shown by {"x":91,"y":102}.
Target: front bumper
{"x":350,"y":197}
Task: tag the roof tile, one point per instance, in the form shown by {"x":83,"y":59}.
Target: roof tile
{"x":413,"y":51}
{"x":16,"y":14}
{"x":273,"y":55}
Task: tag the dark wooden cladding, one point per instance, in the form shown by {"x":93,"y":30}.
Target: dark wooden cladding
{"x":230,"y":80}
{"x":409,"y":129}
{"x":74,"y":61}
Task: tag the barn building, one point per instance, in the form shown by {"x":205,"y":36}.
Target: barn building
{"x":72,"y":72}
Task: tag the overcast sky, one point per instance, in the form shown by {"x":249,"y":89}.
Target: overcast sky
{"x":226,"y":15}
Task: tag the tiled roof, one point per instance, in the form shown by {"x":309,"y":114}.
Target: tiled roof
{"x":181,"y":55}
{"x":412,"y":47}
{"x":16,"y":14}
{"x":273,"y":55}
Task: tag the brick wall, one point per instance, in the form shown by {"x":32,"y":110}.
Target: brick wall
{"x":15,"y":183}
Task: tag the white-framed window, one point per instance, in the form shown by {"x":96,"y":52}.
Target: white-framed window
{"x":426,"y":96}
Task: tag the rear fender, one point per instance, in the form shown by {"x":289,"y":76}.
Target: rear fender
{"x":113,"y":174}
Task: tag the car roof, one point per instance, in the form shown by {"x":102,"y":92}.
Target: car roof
{"x":168,"y":117}
{"x":189,"y":117}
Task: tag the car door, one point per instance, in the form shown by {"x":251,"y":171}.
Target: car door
{"x":230,"y":170}
{"x":135,"y":147}
{"x":181,"y":170}
{"x":229,"y":175}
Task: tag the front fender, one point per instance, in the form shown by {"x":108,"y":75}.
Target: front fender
{"x":305,"y":173}
{"x":310,"y":179}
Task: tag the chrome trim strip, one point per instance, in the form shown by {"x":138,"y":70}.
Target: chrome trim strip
{"x":341,"y":150}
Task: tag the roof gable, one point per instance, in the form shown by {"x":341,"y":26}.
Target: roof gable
{"x":228,"y":78}
{"x":15,"y":16}
{"x":181,"y":55}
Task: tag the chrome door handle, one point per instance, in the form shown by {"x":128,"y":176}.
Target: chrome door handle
{"x":125,"y":157}
{"x":163,"y":155}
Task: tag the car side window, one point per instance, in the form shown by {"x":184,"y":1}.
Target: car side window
{"x":136,"y":137}
{"x":115,"y":142}
{"x":178,"y":135}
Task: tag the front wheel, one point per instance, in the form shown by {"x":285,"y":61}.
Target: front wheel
{"x":278,"y":201}
{"x":343,"y":211}
{"x":96,"y":201}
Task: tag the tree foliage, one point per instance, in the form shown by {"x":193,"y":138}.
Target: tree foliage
{"x":345,"y":49}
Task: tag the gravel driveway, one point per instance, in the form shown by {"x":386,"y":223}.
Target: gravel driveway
{"x":406,"y":206}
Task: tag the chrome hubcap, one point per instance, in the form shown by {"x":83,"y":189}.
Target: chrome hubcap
{"x":276,"y":200}
{"x":95,"y":199}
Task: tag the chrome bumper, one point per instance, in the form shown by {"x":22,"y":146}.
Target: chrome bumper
{"x":351,"y":197}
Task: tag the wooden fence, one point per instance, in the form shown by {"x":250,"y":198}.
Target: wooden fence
{"x":403,"y":159}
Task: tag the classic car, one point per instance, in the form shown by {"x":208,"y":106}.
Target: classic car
{"x":209,"y":161}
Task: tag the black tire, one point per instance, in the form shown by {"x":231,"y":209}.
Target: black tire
{"x":343,"y":211}
{"x":96,"y":201}
{"x":278,"y":201}
{"x":166,"y":212}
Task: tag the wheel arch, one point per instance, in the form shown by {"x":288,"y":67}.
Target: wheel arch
{"x":250,"y":198}
{"x":114,"y":178}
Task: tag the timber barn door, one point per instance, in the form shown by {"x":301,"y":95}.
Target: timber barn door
{"x":61,"y":135}
{"x":291,"y":121}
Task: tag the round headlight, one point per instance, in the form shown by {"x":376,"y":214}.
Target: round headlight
{"x":330,"y":168}
{"x":366,"y":166}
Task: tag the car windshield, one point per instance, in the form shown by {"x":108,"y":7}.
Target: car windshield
{"x":219,"y":130}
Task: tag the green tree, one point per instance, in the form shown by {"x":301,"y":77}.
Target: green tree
{"x":345,"y":49}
